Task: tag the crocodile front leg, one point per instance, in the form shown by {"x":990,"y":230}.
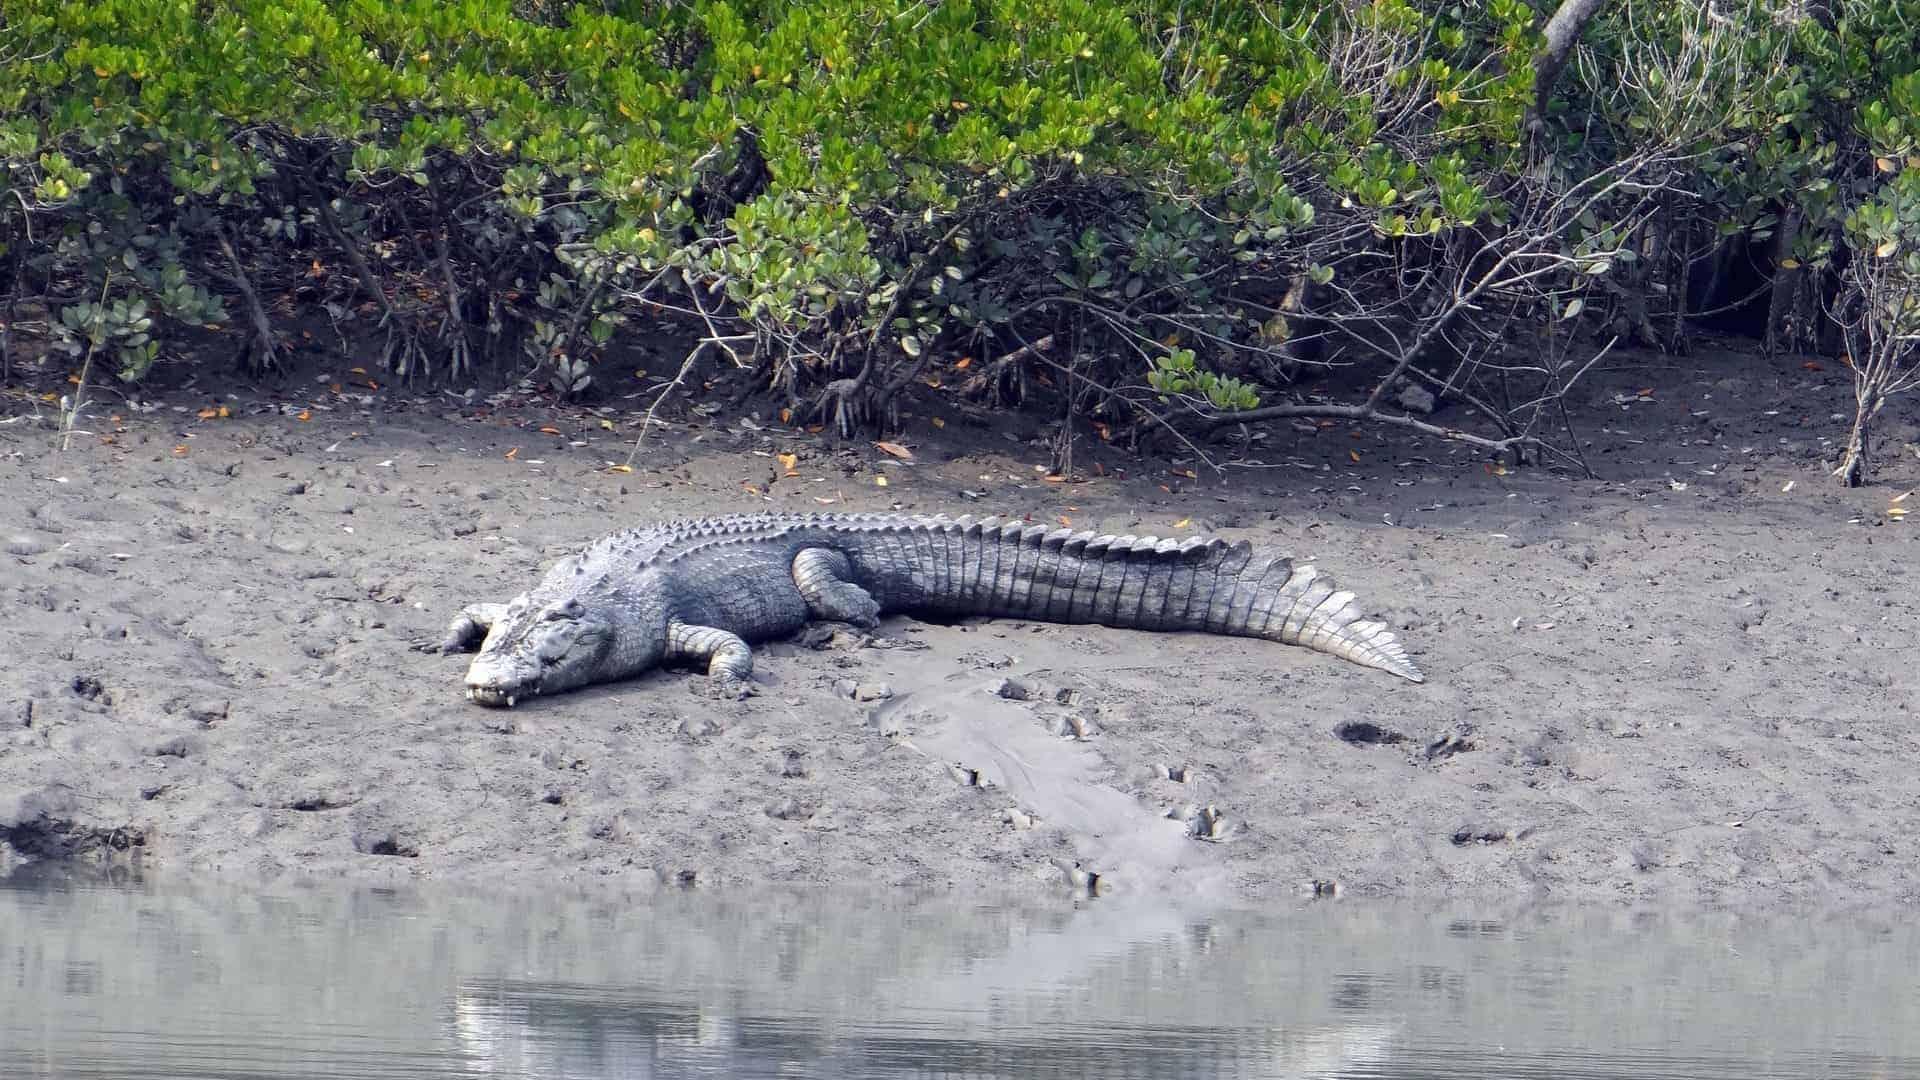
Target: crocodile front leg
{"x":729,"y":661}
{"x":822,"y":576}
{"x":469,"y":628}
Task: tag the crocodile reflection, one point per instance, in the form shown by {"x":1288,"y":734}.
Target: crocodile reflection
{"x":563,"y":1032}
{"x":1142,"y":996}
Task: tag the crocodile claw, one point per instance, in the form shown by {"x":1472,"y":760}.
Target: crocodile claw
{"x":724,"y":688}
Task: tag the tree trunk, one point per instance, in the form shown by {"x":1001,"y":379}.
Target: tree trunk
{"x":1786,"y":284}
{"x":1562,"y":33}
{"x":1852,"y":470}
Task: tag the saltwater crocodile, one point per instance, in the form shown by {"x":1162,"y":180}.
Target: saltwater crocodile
{"x":698,"y":591}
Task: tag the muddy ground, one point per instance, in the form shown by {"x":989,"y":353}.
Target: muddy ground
{"x":1690,"y":680}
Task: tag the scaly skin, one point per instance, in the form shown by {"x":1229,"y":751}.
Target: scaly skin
{"x":703,"y":590}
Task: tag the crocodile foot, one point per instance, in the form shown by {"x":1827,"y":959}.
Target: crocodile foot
{"x":723,"y":688}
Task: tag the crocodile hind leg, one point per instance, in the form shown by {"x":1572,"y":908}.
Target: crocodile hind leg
{"x":729,"y":661}
{"x":469,"y":628}
{"x":821,"y":575}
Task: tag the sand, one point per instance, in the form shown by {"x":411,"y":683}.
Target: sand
{"x":1686,"y":681}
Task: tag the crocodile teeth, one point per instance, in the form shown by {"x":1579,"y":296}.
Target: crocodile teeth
{"x":510,"y":701}
{"x":469,"y":693}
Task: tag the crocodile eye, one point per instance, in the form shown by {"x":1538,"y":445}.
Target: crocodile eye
{"x":571,"y":609}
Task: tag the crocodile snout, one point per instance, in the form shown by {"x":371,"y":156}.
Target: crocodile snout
{"x":488,"y":695}
{"x":492,"y":683}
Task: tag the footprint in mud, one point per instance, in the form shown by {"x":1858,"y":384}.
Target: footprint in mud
{"x":384,"y":842}
{"x":1447,"y":745}
{"x":1484,"y":835}
{"x":1363,"y":733}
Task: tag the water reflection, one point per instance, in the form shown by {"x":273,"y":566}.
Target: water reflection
{"x":557,"y":1031}
{"x":178,"y":981}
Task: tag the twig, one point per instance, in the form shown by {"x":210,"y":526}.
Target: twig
{"x":1370,"y":414}
{"x":713,"y":339}
{"x":679,"y":380}
{"x":80,"y":391}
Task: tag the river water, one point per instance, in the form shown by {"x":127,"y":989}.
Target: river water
{"x":219,"y":982}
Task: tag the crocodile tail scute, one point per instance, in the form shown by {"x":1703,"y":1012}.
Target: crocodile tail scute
{"x":1312,"y":611}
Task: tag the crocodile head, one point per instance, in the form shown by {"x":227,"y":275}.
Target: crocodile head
{"x":541,"y":648}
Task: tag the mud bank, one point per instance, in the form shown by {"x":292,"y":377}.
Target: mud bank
{"x":1690,"y":680}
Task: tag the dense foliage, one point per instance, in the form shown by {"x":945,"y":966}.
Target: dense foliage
{"x":1191,"y":200}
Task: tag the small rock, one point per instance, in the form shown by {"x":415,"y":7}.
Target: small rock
{"x":179,"y":746}
{"x":872,"y":692}
{"x":1013,"y":690}
{"x":1210,"y":825}
{"x":1078,"y":876}
{"x":465,"y":528}
{"x":1074,"y":726}
{"x":1416,"y":399}
{"x":793,"y":765}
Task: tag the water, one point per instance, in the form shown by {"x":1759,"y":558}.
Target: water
{"x":209,"y":983}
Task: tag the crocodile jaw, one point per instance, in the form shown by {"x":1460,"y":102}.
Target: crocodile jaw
{"x":545,"y":650}
{"x":486,"y":695}
{"x":493,"y":683}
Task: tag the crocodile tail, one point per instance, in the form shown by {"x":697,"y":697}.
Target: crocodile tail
{"x":1148,"y":583}
{"x":1299,"y":605}
{"x":1230,"y":588}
